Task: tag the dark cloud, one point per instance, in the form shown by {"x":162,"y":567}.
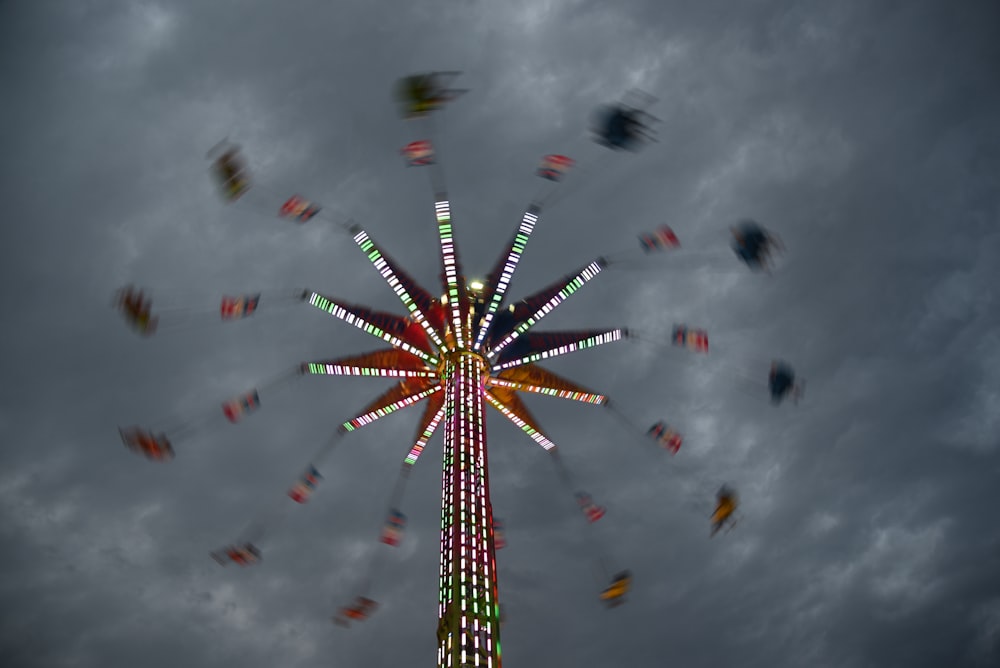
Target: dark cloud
{"x":864,"y":134}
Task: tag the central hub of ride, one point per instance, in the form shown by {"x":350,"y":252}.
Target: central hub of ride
{"x":453,"y":358}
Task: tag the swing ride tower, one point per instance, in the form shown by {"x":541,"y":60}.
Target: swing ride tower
{"x":479,"y":365}
{"x":460,"y":352}
{"x":474,"y":372}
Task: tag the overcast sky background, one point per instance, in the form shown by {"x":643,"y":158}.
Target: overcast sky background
{"x":864,"y":133}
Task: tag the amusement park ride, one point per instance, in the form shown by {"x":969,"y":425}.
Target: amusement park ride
{"x":459,"y":353}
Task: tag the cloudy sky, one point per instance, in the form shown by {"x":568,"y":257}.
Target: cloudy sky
{"x":865,"y":134}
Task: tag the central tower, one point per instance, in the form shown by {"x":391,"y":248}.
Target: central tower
{"x":468,"y":612}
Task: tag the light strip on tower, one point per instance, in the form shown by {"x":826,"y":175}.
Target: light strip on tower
{"x":340,"y":370}
{"x":474,"y":505}
{"x":375,"y":256}
{"x":447,"y":564}
{"x":443,"y":212}
{"x":371,"y":416}
{"x":550,"y":391}
{"x":517,"y":248}
{"x":574,"y":284}
{"x":590,"y":342}
{"x":533,"y":433}
{"x":338,"y":311}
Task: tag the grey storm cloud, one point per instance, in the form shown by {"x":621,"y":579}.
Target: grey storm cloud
{"x":865,"y":134}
